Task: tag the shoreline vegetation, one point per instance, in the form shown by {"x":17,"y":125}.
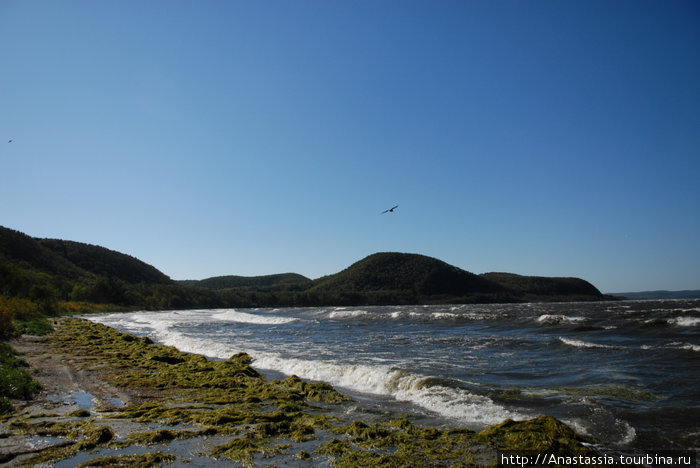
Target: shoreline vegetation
{"x":114,"y":399}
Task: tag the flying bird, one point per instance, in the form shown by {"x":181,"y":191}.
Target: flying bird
{"x":390,"y":210}
{"x":10,"y":141}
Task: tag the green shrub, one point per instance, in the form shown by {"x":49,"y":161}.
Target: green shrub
{"x":6,"y":328}
{"x":38,"y":326}
{"x":15,"y":380}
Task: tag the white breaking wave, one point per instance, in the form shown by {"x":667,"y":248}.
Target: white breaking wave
{"x":681,"y":345}
{"x":583,"y":344}
{"x":161,"y":327}
{"x":243,"y":317}
{"x":685,"y":321}
{"x":453,"y":403}
{"x":554,"y":318}
{"x":444,"y":315}
{"x":431,"y":316}
{"x":342,"y":314}
{"x":629,"y":433}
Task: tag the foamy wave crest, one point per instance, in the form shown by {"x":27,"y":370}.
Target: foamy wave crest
{"x":550,"y":319}
{"x":342,"y":313}
{"x":430,"y":316}
{"x":403,"y":314}
{"x":583,"y":344}
{"x":629,"y":433}
{"x":453,"y":403}
{"x":161,"y":326}
{"x":444,"y":316}
{"x":685,"y":321}
{"x":687,"y":346}
{"x":243,"y":317}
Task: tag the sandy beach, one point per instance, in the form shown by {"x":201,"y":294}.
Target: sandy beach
{"x":112,"y":399}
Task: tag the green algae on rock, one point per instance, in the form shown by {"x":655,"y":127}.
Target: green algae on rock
{"x":243,"y":449}
{"x":544,"y":434}
{"x":142,"y":460}
{"x":401,"y":443}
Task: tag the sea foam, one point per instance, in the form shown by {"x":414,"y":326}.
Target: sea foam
{"x":556,"y":318}
{"x":450,"y":402}
{"x":232,"y":315}
{"x":685,"y":321}
{"x":347,"y":314}
{"x":583,"y":344}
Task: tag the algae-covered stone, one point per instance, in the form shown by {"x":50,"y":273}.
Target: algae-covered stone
{"x":244,"y":449}
{"x":96,"y":435}
{"x":361,"y":432}
{"x":324,"y":393}
{"x":334,"y":448}
{"x":142,"y":460}
{"x":544,"y":434}
{"x":313,"y":391}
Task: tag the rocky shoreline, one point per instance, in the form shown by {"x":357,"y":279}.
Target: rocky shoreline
{"x":112,"y":399}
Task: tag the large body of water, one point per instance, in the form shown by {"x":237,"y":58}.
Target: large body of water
{"x":627,"y":373}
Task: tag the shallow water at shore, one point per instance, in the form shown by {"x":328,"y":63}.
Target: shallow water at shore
{"x":622,"y":372}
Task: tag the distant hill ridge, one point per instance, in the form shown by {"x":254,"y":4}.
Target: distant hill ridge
{"x":541,"y":285}
{"x":395,"y":277}
{"x":404,"y":271}
{"x":427,"y":277}
{"x":105,"y":262}
{"x":67,"y":270}
{"x":233,"y":281}
{"x":74,"y":260}
{"x":24,"y":251}
{"x":659,"y":294}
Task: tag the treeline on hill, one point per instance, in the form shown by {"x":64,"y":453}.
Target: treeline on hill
{"x":390,"y":278}
{"x":50,"y":276}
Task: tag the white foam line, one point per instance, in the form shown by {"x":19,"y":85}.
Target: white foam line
{"x":242,"y":317}
{"x":685,"y":321}
{"x":584,"y":344}
{"x":555,"y":318}
{"x":449,"y":402}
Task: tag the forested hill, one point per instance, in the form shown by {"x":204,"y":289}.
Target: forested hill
{"x":392,"y":277}
{"x":233,"y":281}
{"x":20,"y":250}
{"x":659,"y":294}
{"x":51,"y":271}
{"x":104,"y":262}
{"x":532,"y":287}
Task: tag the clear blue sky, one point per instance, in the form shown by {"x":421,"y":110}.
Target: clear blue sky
{"x":556,"y":138}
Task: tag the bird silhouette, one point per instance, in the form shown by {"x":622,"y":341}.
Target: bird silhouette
{"x":390,"y":210}
{"x":10,"y":141}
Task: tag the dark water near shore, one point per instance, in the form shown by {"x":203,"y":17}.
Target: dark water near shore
{"x":627,"y":373}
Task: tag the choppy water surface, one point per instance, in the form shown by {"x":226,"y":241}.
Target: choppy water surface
{"x":627,"y":373}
